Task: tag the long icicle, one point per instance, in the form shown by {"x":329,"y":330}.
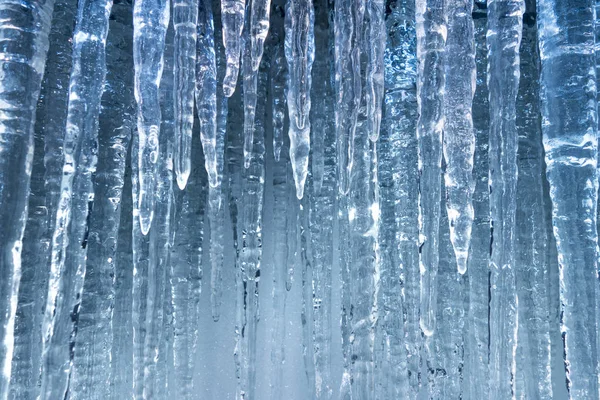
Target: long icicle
{"x":253,"y":179}
{"x":69,"y":241}
{"x":364,"y":216}
{"x":212,"y":114}
{"x":534,"y":376}
{"x":51,"y":118}
{"x":185,"y":279}
{"x":278,"y":81}
{"x":250,"y":82}
{"x":260,"y":12}
{"x":396,"y":341}
{"x":348,"y":22}
{"x":92,"y":362}
{"x":185,"y":19}
{"x":232,"y":17}
{"x":23,"y":59}
{"x":123,"y":344}
{"x":281,"y":221}
{"x":505,"y":23}
{"x":374,"y":45}
{"x":399,"y":127}
{"x":300,"y":54}
{"x":459,"y":136}
{"x":477,"y":324}
{"x":569,"y":108}
{"x":140,"y":251}
{"x":150,"y":21}
{"x":159,"y":306}
{"x":321,"y":205}
{"x":206,"y":91}
{"x":431,"y":40}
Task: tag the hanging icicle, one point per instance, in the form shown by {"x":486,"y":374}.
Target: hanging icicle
{"x":133,"y":251}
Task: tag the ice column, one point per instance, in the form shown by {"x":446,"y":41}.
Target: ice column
{"x":300,"y":54}
{"x":505,"y":23}
{"x":459,"y":137}
{"x":150,"y":21}
{"x":431,"y":40}
{"x":568,"y":99}
{"x":24,"y":47}
{"x":92,"y":364}
{"x":185,"y":18}
{"x":71,"y":233}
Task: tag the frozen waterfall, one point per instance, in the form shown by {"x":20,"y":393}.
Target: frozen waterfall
{"x":299,"y":199}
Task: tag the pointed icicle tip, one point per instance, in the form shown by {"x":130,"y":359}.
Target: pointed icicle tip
{"x":230,"y":80}
{"x":425,"y":328}
{"x":461,"y":262}
{"x":344,"y":184}
{"x":300,"y":173}
{"x":146,"y":223}
{"x":182,"y":179}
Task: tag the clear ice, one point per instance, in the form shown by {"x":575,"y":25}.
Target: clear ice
{"x":399,"y":200}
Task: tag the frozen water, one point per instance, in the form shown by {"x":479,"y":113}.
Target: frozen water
{"x":397,"y":201}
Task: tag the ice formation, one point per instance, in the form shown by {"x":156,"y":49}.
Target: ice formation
{"x":398,"y":200}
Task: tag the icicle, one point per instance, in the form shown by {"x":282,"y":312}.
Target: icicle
{"x":293,"y":237}
{"x":186,"y":278}
{"x":278,"y":81}
{"x":568,"y":95}
{"x":505,"y":22}
{"x":281,"y":220}
{"x":24,"y":59}
{"x":92,"y":362}
{"x":449,"y":341}
{"x":374,"y":45}
{"x":70,"y":237}
{"x":364,"y":266}
{"x":232,"y":17}
{"x":321,"y":207}
{"x":216,"y":218}
{"x":348,"y":19}
{"x":234,"y":191}
{"x":140,"y":250}
{"x":45,"y":191}
{"x":300,"y":54}
{"x":185,"y":18}
{"x":391,"y":380}
{"x":477,"y":324}
{"x":397,"y":347}
{"x":212,"y":113}
{"x":122,"y":351}
{"x":431,"y":40}
{"x":260,"y":11}
{"x":251,"y":247}
{"x":344,"y":219}
{"x":150,"y":21}
{"x":150,"y":253}
{"x":321,"y":117}
{"x":154,"y":357}
{"x":533,"y":352}
{"x":308,"y":298}
{"x":158,"y":311}
{"x":250,"y":81}
{"x":399,"y":129}
{"x":206,"y":91}
{"x":459,"y":137}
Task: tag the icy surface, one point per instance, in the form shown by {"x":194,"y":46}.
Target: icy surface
{"x":399,"y":201}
